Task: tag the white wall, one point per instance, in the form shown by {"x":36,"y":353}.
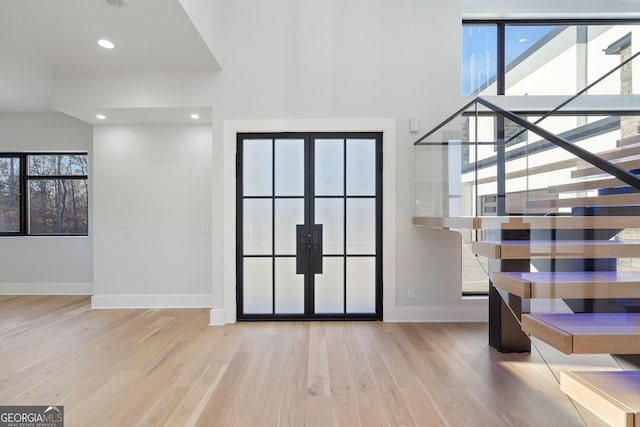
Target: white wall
{"x":343,"y":61}
{"x":45,"y":265}
{"x":152,"y":213}
{"x":26,"y":77}
{"x":206,"y":16}
{"x":310,"y":60}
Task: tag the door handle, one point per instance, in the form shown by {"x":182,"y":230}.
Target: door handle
{"x":302,"y":246}
{"x":315,"y":256}
{"x":309,"y":249}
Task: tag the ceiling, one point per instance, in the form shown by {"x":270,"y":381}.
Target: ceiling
{"x":40,"y":40}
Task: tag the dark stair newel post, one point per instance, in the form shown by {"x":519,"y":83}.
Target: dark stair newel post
{"x":505,"y":310}
{"x":505,"y":333}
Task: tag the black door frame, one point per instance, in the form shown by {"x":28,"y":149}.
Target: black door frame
{"x":309,"y":209}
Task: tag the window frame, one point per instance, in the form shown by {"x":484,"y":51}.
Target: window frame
{"x":501,"y":24}
{"x":26,"y":178}
{"x":21,"y":191}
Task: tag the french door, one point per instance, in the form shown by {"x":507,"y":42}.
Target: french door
{"x":309,"y":226}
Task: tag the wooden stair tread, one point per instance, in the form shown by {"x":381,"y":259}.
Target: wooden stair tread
{"x":630,"y":199}
{"x":582,"y":284}
{"x":629,"y":140}
{"x":444,"y":222}
{"x":593,"y":170}
{"x":557,"y":222}
{"x":525,"y":249}
{"x":587,"y":185}
{"x":528,"y":222}
{"x":614,"y":396}
{"x":586,"y":333}
{"x":621,"y":152}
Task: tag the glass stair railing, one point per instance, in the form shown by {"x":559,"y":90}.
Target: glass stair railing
{"x":560,"y":181}
{"x":547,"y":201}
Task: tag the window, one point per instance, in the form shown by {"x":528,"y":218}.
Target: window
{"x":10,"y":180}
{"x":545,"y":57}
{"x":479,"y":59}
{"x":44,"y":194}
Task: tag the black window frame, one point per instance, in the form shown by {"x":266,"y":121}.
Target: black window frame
{"x":25,"y":178}
{"x":501,"y":24}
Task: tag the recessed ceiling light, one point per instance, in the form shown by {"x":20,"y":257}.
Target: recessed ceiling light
{"x":195,"y":116}
{"x":106,"y":44}
{"x":100,"y":116}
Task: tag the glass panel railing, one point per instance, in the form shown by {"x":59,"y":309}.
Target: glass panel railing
{"x":547,"y":172}
{"x":451,"y":181}
{"x":580,"y":169}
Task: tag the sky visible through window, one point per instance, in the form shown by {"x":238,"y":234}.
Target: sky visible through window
{"x":479,"y":46}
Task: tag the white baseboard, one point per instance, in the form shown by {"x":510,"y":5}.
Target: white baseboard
{"x":46,"y":288}
{"x":151,"y":301}
{"x":217,"y":317}
{"x":471,"y":311}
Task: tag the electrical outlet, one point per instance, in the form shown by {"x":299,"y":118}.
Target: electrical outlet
{"x":411,"y":293}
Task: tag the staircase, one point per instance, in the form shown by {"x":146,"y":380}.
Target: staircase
{"x":570,"y":257}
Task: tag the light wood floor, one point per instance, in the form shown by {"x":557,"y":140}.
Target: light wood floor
{"x":168,"y":368}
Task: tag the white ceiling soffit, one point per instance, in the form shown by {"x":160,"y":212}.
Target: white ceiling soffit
{"x":148,"y":116}
{"x":43,"y":40}
{"x":148,"y":34}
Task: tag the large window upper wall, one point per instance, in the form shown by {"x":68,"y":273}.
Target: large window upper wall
{"x":546,"y":57}
{"x":44,"y":194}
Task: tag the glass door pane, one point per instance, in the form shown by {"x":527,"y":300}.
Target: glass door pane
{"x":329,"y":167}
{"x":258,"y":292}
{"x":289,"y":287}
{"x":361,"y":226}
{"x":361,"y":284}
{"x":329,"y":287}
{"x":288,"y":213}
{"x":330,"y":213}
{"x":289,"y":167}
{"x":257,"y":170}
{"x":361,"y":167}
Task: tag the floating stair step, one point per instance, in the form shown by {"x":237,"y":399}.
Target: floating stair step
{"x":613,"y":396}
{"x":586,"y":333}
{"x":528,"y":222}
{"x":591,"y":171}
{"x":587,"y":185}
{"x":526,"y":249}
{"x":443,"y":222}
{"x":557,"y":222}
{"x":582,"y":284}
{"x":621,"y":153}
{"x":632,"y":199}
{"x":630,"y":140}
